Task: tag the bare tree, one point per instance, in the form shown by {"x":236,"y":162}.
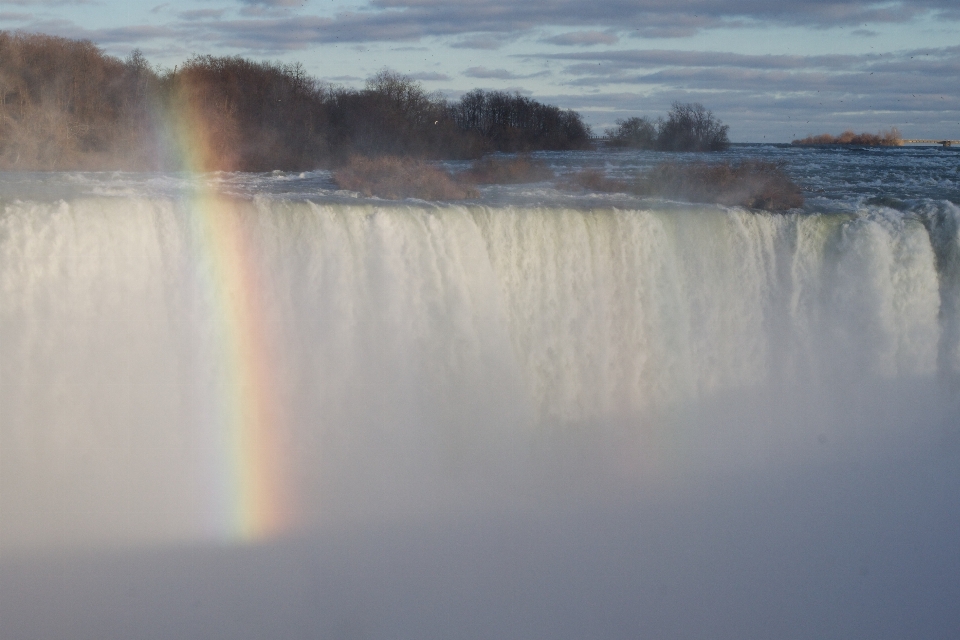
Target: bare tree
{"x":691,"y":127}
{"x":637,"y":133}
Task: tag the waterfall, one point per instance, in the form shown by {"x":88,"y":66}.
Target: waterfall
{"x":411,"y":343}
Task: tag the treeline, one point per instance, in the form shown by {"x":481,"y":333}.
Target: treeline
{"x":64,"y":104}
{"x":889,"y":138}
{"x":511,"y":122}
{"x":687,"y":127}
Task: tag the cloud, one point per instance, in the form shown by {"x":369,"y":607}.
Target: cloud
{"x":583,"y":38}
{"x":484,"y":42}
{"x":133,"y":34}
{"x":273,"y":3}
{"x":483,"y":24}
{"x":277,"y":25}
{"x":202,"y":14}
{"x":500,"y":74}
{"x":274,"y":25}
{"x":430,"y":76}
{"x":633,"y":58}
{"x":47,"y":3}
{"x":630,"y":66}
{"x":137,"y":35}
{"x":280,"y":25}
{"x":483,"y":72}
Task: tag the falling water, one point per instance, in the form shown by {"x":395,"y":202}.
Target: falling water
{"x":501,"y":420}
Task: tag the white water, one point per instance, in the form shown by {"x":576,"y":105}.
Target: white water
{"x":684,"y":399}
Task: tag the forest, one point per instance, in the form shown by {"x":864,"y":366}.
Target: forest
{"x":64,"y":104}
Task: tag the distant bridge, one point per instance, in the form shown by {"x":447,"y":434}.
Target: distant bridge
{"x":945,"y":143}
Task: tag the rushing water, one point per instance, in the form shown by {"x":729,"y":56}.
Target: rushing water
{"x":539,"y":414}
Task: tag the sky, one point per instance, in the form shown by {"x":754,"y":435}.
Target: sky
{"x":771,"y":70}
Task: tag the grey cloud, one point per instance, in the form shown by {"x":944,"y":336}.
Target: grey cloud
{"x":271,"y":25}
{"x":648,"y":32}
{"x":840,"y":86}
{"x":259,"y":10}
{"x":46,"y":3}
{"x":483,"y":72}
{"x":483,"y":42}
{"x":488,"y":24}
{"x":678,"y":25}
{"x":519,"y":90}
{"x":484,"y":24}
{"x":624,"y":64}
{"x":430,"y":76}
{"x":757,"y":80}
{"x":273,"y":3}
{"x":202,"y":14}
{"x":647,"y":18}
{"x":583,"y":38}
{"x":133,"y":34}
{"x":501,"y":74}
{"x":294,"y":32}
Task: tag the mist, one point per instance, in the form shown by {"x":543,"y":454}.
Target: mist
{"x":495,"y":422}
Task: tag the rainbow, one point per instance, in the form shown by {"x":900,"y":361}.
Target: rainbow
{"x":249,"y":494}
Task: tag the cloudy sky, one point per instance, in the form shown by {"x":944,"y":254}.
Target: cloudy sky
{"x":771,"y":69}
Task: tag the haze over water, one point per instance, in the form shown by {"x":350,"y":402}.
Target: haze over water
{"x":250,"y":405}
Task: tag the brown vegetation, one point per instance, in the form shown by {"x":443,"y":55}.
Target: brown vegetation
{"x":251,"y":116}
{"x":493,"y":170}
{"x":395,"y":178}
{"x":889,"y":138}
{"x":64,"y":104}
{"x":752,"y":183}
